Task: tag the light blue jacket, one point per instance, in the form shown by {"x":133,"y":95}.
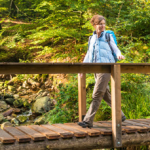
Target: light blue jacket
{"x":99,"y":50}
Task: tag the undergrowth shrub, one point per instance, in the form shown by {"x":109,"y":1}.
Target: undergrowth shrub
{"x":66,"y":109}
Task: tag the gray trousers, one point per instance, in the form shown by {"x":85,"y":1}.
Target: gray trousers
{"x":101,"y":91}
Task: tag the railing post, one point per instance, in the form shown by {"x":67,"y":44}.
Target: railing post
{"x":82,"y":96}
{"x":116,"y":105}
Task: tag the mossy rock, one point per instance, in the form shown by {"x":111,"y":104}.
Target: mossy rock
{"x":10,"y":100}
{"x":41,"y":105}
{"x":18,"y":103}
{"x":40,"y":120}
{"x":1,"y":118}
{"x":15,"y":121}
{"x":14,"y":115}
{"x":22,"y":118}
{"x":3,"y":106}
{"x":26,"y":104}
{"x":6,"y":95}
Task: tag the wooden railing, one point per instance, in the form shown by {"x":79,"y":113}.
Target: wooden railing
{"x":65,"y":68}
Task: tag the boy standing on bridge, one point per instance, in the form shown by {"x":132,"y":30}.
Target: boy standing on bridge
{"x":101,"y":50}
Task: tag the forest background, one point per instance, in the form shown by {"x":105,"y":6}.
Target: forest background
{"x":58,"y":31}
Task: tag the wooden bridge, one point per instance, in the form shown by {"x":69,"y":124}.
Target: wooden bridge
{"x":72,"y":136}
{"x":105,"y":134}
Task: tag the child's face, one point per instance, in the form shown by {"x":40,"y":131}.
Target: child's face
{"x":100,"y":27}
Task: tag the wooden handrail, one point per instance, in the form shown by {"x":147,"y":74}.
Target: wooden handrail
{"x":42,"y":68}
{"x":114,"y":68}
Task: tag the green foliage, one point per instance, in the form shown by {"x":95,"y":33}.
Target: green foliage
{"x":58,"y":32}
{"x":103,"y":113}
{"x":66,"y":109}
{"x":4,"y":6}
{"x":135,"y":95}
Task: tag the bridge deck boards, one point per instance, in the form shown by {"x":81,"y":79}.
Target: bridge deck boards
{"x":63,"y":133}
{"x":76,"y":132}
{"x":49,"y":134}
{"x":90,"y":132}
{"x":35,"y":136}
{"x":69,"y":130}
{"x":5,"y":137}
{"x":17,"y":134}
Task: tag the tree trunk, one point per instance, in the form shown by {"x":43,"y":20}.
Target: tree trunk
{"x":13,"y":8}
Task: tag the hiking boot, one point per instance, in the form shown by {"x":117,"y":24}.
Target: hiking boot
{"x":84,"y":124}
{"x":123,"y":118}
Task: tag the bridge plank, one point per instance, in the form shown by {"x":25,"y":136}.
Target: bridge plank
{"x":5,"y":137}
{"x":63,"y":133}
{"x":129,"y":130}
{"x":139,"y":129}
{"x":76,"y":132}
{"x":142,"y":121}
{"x":123,"y":123}
{"x":124,"y":128}
{"x":145,"y":120}
{"x":105,"y":130}
{"x":90,"y":132}
{"x":101,"y":125}
{"x":138,"y":124}
{"x":17,"y":134}
{"x":49,"y":134}
{"x":35,"y":136}
{"x":128,"y":125}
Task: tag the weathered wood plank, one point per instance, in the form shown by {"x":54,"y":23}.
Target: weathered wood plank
{"x":123,"y":123}
{"x":116,"y":105}
{"x":35,"y":68}
{"x":135,"y":68}
{"x":35,"y":136}
{"x":90,"y":132}
{"x":141,"y":121}
{"x":82,"y":96}
{"x":144,"y":120}
{"x":147,"y":120}
{"x":105,"y":130}
{"x":109,"y":124}
{"x":63,"y":133}
{"x":76,"y":132}
{"x":5,"y":137}
{"x":138,"y":128}
{"x":17,"y":134}
{"x":102,"y":125}
{"x":128,"y":128}
{"x":137,"y":124}
{"x":49,"y":134}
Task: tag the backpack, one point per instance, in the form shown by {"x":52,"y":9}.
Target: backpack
{"x":108,"y":32}
{"x":112,"y":33}
{"x":108,"y":40}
